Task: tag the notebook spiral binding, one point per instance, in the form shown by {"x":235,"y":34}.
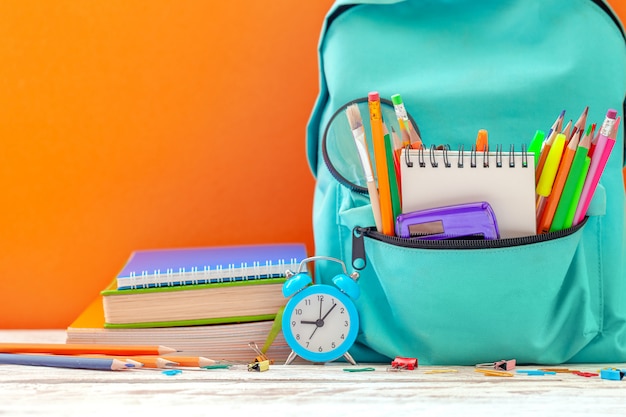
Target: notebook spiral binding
{"x":440,"y":154}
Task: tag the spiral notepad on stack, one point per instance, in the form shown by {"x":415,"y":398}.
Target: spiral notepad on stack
{"x":503,"y":178}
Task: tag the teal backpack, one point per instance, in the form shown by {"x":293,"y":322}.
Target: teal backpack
{"x":510,"y":67}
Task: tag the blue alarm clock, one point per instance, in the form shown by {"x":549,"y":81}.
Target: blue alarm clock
{"x":320,"y":322}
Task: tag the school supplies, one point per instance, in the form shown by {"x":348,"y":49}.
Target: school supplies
{"x":471,"y":220}
{"x":56,"y":361}
{"x":219,"y":342}
{"x":437,"y":178}
{"x":204,"y":265}
{"x":548,"y":174}
{"x":539,"y":298}
{"x":482,"y":140}
{"x":227,"y":302}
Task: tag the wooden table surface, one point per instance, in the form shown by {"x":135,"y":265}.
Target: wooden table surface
{"x":302,"y":390}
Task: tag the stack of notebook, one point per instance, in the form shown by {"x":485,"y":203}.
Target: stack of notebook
{"x":208,"y":301}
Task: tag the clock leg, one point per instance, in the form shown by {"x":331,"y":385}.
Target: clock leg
{"x":291,"y":357}
{"x":349,"y":358}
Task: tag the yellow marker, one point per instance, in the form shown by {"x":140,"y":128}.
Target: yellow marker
{"x":544,"y":186}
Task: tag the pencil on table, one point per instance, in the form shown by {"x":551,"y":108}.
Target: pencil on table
{"x":63,"y":361}
{"x":79,"y":349}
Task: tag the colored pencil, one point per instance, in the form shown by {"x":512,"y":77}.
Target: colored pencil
{"x":380,"y":156}
{"x":79,"y":349}
{"x":580,"y":124}
{"x":604,"y":146}
{"x":571,"y":211}
{"x":403,"y":119}
{"x":567,"y":195}
{"x":358,"y":133}
{"x":62,"y":361}
{"x":394,"y":189}
{"x":545,"y":221}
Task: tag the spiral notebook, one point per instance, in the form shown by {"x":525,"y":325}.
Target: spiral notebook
{"x":504,"y":178}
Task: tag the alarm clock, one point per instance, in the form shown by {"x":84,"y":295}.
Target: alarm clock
{"x":320,"y":322}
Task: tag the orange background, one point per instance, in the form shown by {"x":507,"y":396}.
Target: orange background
{"x":133,"y":124}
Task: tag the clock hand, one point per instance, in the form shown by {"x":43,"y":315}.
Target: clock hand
{"x":308,"y":322}
{"x":319,"y":323}
{"x":328,"y":312}
{"x":321,"y":302}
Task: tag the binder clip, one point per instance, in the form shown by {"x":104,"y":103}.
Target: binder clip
{"x":502,"y":365}
{"x":260,"y":355}
{"x":400,"y":363}
{"x":259,"y":366}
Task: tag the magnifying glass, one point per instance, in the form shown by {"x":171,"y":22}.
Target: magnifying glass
{"x":344,"y":154}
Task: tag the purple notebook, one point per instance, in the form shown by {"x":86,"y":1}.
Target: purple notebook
{"x":205,"y":265}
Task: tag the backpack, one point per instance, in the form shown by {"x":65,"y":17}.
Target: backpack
{"x":510,"y":67}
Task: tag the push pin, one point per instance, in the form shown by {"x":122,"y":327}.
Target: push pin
{"x":401,"y":363}
{"x":503,"y":365}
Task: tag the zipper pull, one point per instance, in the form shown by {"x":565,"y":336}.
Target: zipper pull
{"x":358,"y":248}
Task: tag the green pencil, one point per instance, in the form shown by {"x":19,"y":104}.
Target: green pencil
{"x":569,"y":189}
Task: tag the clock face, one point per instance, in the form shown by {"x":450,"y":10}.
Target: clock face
{"x":320,"y":323}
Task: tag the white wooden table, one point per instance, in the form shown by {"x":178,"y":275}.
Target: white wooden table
{"x":302,"y":390}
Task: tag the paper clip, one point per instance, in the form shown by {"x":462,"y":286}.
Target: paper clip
{"x":260,"y":355}
{"x":490,"y":372}
{"x":401,"y":363}
{"x":261,"y":366}
{"x":502,"y":365}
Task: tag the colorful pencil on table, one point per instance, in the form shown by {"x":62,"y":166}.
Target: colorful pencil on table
{"x":604,"y":146}
{"x":355,"y":121}
{"x":79,"y":349}
{"x":63,"y":361}
{"x":169,"y":361}
{"x":545,"y":221}
{"x":380,"y":156}
{"x":569,"y":188}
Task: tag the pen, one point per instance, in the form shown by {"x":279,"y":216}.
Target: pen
{"x":358,"y":133}
{"x":606,"y":141}
{"x":380,"y":156}
{"x":61,"y":361}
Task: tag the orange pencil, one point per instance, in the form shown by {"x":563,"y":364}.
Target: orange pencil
{"x":382,"y":168}
{"x":169,"y":360}
{"x":80,"y":349}
{"x":552,"y":202}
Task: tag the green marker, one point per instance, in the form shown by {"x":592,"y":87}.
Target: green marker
{"x":569,"y":219}
{"x":536,"y":144}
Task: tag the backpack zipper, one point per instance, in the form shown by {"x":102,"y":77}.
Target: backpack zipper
{"x":358,"y":244}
